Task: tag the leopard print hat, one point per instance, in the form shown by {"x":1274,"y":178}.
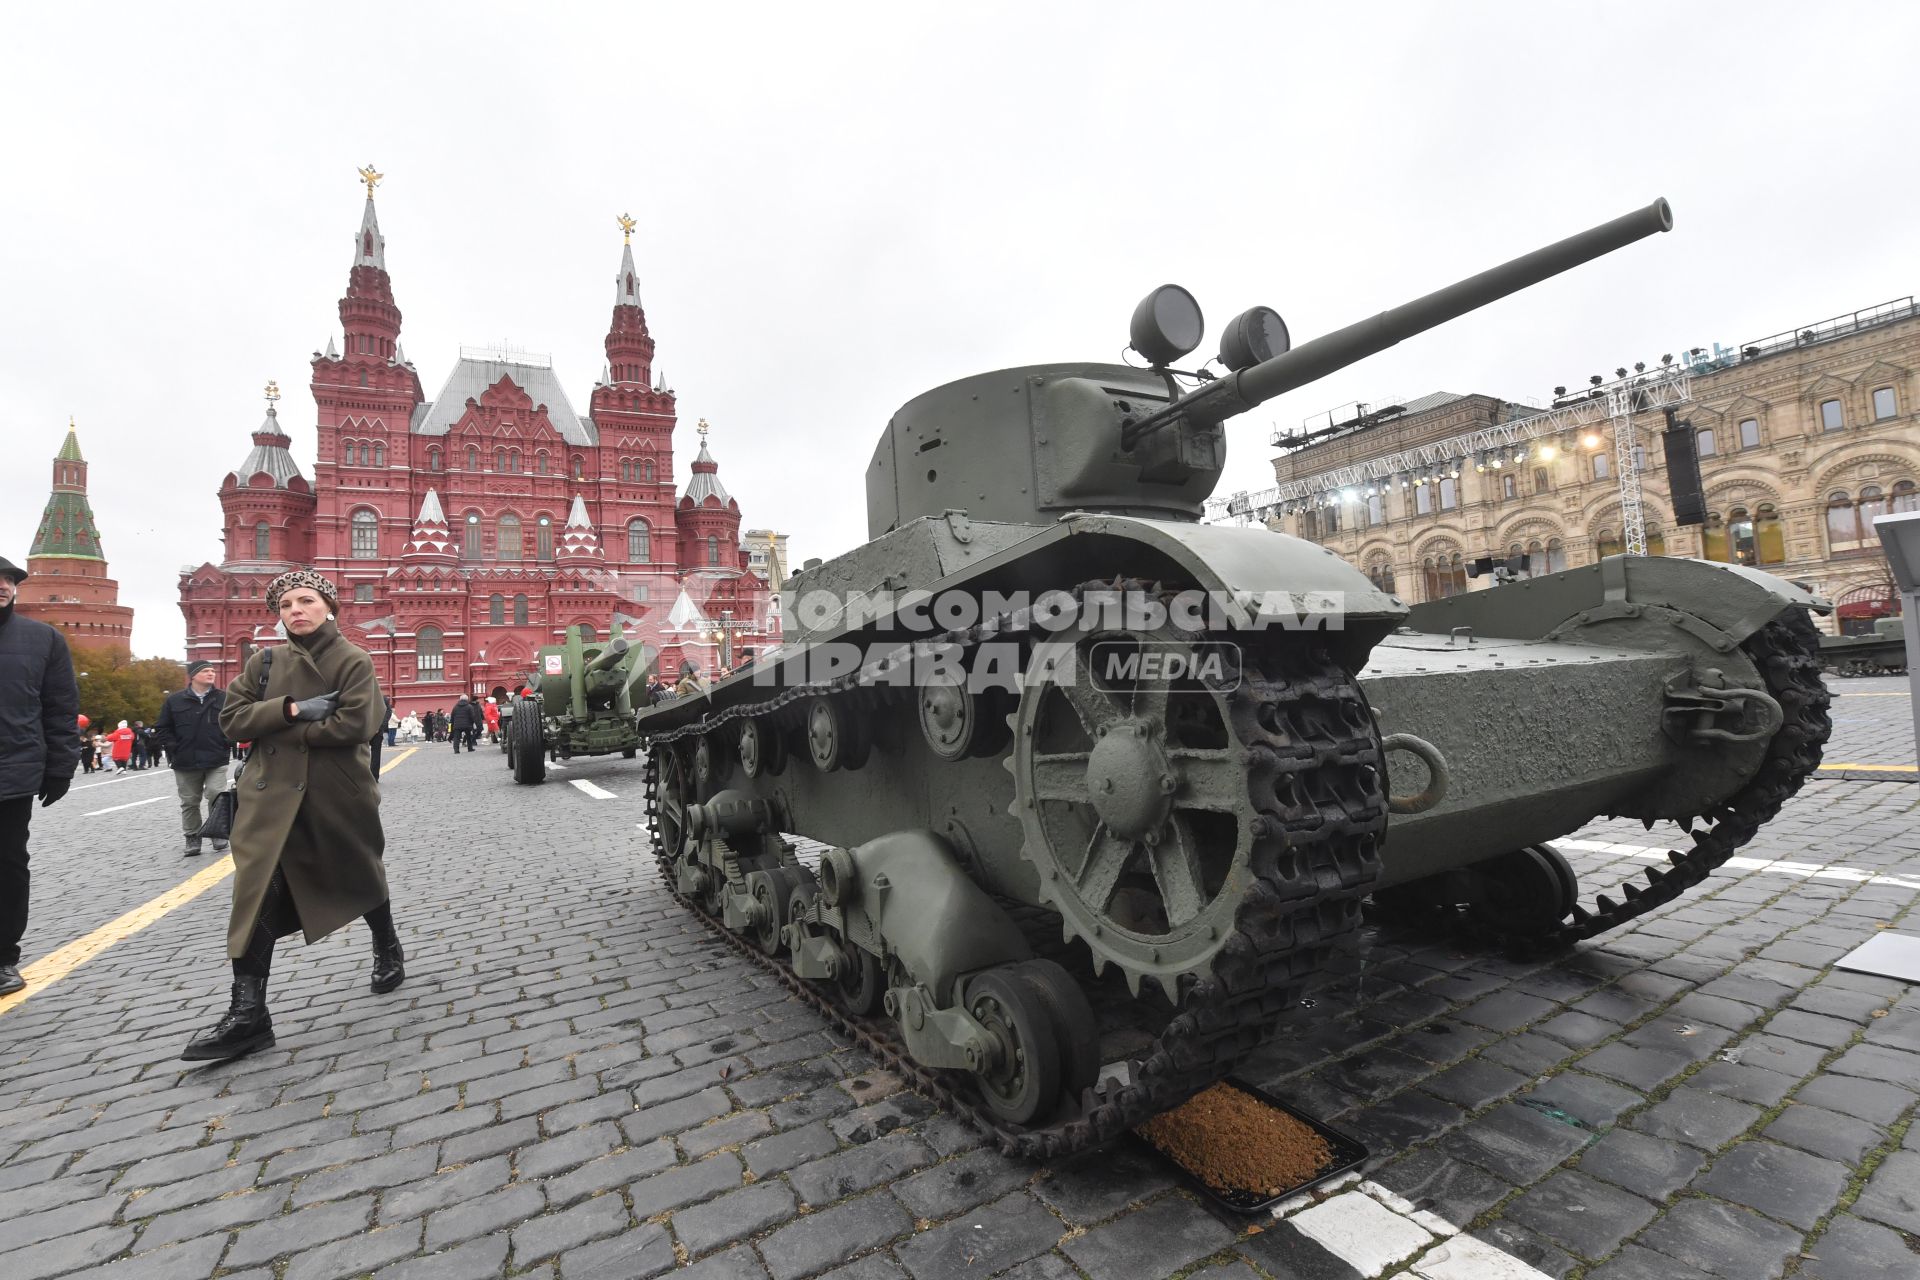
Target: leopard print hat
{"x":308,"y":578}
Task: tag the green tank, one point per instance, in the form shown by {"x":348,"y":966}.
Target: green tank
{"x":582,"y":703}
{"x":1088,"y":789}
{"x":1880,"y":652}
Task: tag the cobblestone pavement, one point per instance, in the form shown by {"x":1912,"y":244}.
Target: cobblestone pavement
{"x":576,"y":1080}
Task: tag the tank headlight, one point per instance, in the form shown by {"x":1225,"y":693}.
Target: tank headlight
{"x":1166,"y":325}
{"x":1254,"y":335}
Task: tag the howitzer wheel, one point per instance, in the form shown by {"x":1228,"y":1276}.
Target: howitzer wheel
{"x":1138,"y":799}
{"x":1025,"y":1082}
{"x":529,"y":749}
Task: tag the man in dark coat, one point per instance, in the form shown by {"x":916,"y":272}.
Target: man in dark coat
{"x":464,"y":724}
{"x":39,"y":705}
{"x":189,"y":730}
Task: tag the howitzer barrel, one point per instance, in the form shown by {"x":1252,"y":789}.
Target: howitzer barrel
{"x":1239,"y":392}
{"x":610,"y":656}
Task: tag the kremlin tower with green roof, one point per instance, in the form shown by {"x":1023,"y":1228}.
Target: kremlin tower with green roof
{"x":67,"y":583}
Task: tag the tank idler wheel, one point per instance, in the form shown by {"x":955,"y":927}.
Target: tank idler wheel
{"x":771,"y":892}
{"x":835,"y":738}
{"x":1078,"y":1030}
{"x":529,"y":751}
{"x":1025,"y":1082}
{"x":762,"y":749}
{"x":673,"y":792}
{"x":1523,"y":893}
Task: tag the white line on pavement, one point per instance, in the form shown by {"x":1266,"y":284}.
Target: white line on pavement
{"x":1373,"y":1231}
{"x":133,"y":805}
{"x":598,"y":793}
{"x":128,"y":775}
{"x":1800,"y":870}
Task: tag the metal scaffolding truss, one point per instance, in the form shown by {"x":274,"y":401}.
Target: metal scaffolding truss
{"x":1615,"y":402}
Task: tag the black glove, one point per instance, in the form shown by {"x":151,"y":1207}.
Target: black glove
{"x":316,"y":708}
{"x":52,"y":789}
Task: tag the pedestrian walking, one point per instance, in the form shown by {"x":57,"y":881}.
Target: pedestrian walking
{"x":393,"y":723}
{"x":140,"y":758}
{"x":39,"y":705}
{"x":307,"y":840}
{"x":121,"y":743}
{"x":463,"y":723}
{"x":85,"y":746}
{"x":382,"y":736}
{"x":490,"y":711}
{"x":189,"y":729}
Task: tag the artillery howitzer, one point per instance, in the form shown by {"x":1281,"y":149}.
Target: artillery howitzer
{"x":1195,"y":799}
{"x":1882,"y":652}
{"x":582,"y":704}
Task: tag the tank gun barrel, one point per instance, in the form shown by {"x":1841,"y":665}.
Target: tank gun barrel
{"x":1236,"y":393}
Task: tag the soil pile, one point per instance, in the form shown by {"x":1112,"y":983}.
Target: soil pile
{"x":1234,"y":1142}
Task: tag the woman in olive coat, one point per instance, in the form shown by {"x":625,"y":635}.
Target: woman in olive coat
{"x":307,"y":842}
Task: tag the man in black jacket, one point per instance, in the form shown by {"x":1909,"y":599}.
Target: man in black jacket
{"x":464,"y":723}
{"x":39,"y":706}
{"x":189,"y":729}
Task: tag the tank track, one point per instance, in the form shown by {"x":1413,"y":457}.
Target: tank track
{"x":1787,"y":652}
{"x":1319,"y":788}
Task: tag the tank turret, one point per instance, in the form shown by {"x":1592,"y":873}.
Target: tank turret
{"x":1026,"y":445}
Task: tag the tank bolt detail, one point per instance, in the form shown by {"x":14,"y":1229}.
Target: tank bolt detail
{"x":1167,"y":783}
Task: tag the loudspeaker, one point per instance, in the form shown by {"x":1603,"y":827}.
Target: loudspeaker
{"x":1683,"y":474}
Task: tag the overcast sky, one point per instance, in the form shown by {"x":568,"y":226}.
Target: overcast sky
{"x":841,"y":206}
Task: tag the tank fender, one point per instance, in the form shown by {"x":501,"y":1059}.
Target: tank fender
{"x":1731,"y":602}
{"x":937,"y":921}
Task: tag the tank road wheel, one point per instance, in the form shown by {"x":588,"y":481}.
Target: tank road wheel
{"x":957,"y":723}
{"x":771,"y":892}
{"x":859,"y":987}
{"x":835,"y":738}
{"x":1525,"y":893}
{"x":1136,"y":796}
{"x":762,"y":750}
{"x":706,"y":763}
{"x":529,"y":749}
{"x":1025,"y":1082}
{"x":1079,"y":1030}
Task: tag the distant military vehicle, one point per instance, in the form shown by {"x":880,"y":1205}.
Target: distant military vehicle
{"x":1883,"y":652}
{"x":582,"y":704}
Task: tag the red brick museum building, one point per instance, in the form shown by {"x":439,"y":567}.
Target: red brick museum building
{"x":468,"y":529}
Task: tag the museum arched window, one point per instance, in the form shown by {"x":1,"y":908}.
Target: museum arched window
{"x":1602,"y":466}
{"x":579,"y":467}
{"x":513,"y":461}
{"x":506,"y":538}
{"x":543,"y":538}
{"x":639,"y":542}
{"x":379,"y":454}
{"x":1885,"y":404}
{"x":1443,"y":576}
{"x":1556,"y":556}
{"x":470,"y":536}
{"x":1831,"y":418}
{"x":1905,"y":497}
{"x":1423,"y":501}
{"x":1850,"y":520}
{"x":1606,"y":543}
{"x":263,"y":541}
{"x":1704,"y":442}
{"x":1449,"y":493}
{"x":433,"y":459}
{"x":496,"y":609}
{"x":1509,"y":486}
{"x":1380,"y":573}
{"x":1330,"y":520}
{"x":1745,"y":537}
{"x":366,"y":535}
{"x":540,"y":461}
{"x":1376,"y":509}
{"x":713,"y":549}
{"x":626,"y":469}
{"x":473,"y":457}
{"x":519,"y":611}
{"x":499,"y":459}
{"x":1749,"y":433}
{"x":1656,"y":543}
{"x":429,"y":657}
{"x":646,"y":466}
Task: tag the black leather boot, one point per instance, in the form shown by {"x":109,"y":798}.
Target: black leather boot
{"x":244,"y":1029}
{"x":389,"y":961}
